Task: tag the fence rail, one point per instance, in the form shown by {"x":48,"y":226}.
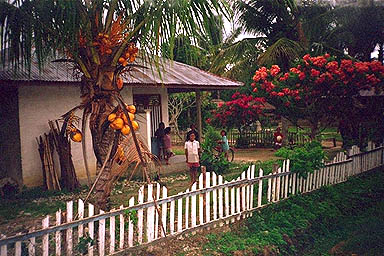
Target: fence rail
{"x":209,"y":200}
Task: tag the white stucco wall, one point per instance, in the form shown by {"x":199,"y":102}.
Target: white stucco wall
{"x":38,"y":104}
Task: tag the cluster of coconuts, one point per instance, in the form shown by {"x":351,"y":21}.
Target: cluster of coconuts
{"x":129,"y":56}
{"x":74,"y":133}
{"x":119,"y":121}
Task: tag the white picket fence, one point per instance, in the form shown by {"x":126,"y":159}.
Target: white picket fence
{"x":210,"y":200}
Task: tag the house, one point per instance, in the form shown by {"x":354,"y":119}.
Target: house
{"x":30,"y":99}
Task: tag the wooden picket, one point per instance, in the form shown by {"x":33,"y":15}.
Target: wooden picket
{"x":208,"y":200}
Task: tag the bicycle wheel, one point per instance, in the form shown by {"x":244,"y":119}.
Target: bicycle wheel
{"x":230,"y":155}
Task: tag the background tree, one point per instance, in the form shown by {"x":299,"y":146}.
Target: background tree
{"x":240,"y":112}
{"x":99,"y":37}
{"x":359,"y":30}
{"x":320,"y":90}
{"x":177,"y":104}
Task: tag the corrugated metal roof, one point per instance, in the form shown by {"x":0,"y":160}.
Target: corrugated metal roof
{"x":172,"y":75}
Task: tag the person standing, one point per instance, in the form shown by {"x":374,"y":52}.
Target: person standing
{"x":194,"y":131}
{"x":159,"y":134}
{"x":278,"y":139}
{"x":192,"y":154}
{"x":167,"y":145}
{"x":224,"y":143}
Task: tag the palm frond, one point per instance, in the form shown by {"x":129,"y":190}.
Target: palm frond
{"x":44,"y":28}
{"x":231,"y":55}
{"x":282,"y":52}
{"x":128,"y":157}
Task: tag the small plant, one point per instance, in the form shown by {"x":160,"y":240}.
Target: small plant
{"x":209,"y":159}
{"x":210,"y":139}
{"x":84,"y":242}
{"x":132,"y":215}
{"x":305,"y":159}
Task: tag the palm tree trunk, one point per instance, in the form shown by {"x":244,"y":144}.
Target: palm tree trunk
{"x":104,"y":185}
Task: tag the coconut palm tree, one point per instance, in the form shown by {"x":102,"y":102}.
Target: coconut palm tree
{"x":100,"y":37}
{"x":358,"y":30}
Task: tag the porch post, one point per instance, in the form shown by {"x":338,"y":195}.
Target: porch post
{"x":148,"y":118}
{"x":198,"y":108}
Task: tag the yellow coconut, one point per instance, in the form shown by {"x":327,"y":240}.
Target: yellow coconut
{"x":125,"y":130}
{"x":76,"y":136}
{"x":135,"y":125}
{"x":118,"y":123}
{"x":111,"y":117}
{"x":131,"y":109}
{"x":131,"y":116}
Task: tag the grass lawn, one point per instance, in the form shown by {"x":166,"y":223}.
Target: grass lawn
{"x":345,"y":219}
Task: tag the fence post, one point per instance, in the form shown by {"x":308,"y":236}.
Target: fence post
{"x":164,"y":213}
{"x":32,"y":243}
{"x":112,"y":230}
{"x":226,"y":195}
{"x":207,"y":198}
{"x":214,"y":195}
{"x":150,"y":214}
{"x":238,"y":198}
{"x":101,"y":235}
{"x":232,"y":201}
{"x":252,"y":187}
{"x":187,"y":205}
{"x":46,"y":237}
{"x":121,"y":229}
{"x":260,"y":188}
{"x":221,"y":198}
{"x":193,"y":206}
{"x":69,"y":231}
{"x":157,"y":210}
{"x":201,"y":197}
{"x":91,"y":228}
{"x":140,"y":216}
{"x":179,"y":214}
{"x":57,"y":234}
{"x":130,"y":224}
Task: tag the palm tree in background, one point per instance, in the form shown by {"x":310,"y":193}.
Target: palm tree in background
{"x":359,"y":30}
{"x":100,"y":38}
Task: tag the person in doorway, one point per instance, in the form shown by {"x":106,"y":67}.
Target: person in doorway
{"x":192,"y":154}
{"x":167,"y":145}
{"x":278,"y":139}
{"x":159,"y":134}
{"x":194,"y":131}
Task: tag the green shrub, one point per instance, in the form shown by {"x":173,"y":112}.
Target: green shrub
{"x":209,"y":157}
{"x":304,"y":159}
{"x":211,"y":136}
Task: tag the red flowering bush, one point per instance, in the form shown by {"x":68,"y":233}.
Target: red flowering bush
{"x":317,"y":87}
{"x":241,"y":111}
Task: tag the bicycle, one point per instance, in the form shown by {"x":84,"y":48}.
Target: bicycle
{"x":230,"y":153}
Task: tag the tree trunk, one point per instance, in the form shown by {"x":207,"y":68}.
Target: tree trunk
{"x":314,"y":131}
{"x":178,"y":131}
{"x":104,"y":185}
